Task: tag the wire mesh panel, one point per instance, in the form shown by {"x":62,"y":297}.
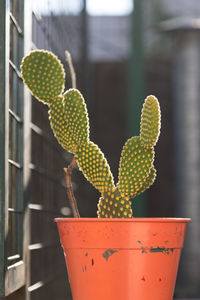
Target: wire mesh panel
{"x":57,"y":26}
{"x":15,"y":206}
{"x":12,"y":265}
{"x":52,"y":30}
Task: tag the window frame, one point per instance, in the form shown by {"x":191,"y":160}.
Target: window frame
{"x":12,"y":277}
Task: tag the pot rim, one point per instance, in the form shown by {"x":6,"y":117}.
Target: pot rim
{"x":145,"y":220}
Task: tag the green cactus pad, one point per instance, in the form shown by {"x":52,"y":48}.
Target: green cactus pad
{"x":112,"y":205}
{"x":148,"y":182}
{"x":59,"y":125}
{"x":150,"y":122}
{"x":44,"y":75}
{"x":92,"y":163}
{"x":75,"y":113}
{"x":135,"y":164}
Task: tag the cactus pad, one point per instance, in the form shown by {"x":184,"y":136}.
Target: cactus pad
{"x":135,"y":164}
{"x":112,"y":205}
{"x":148,"y":182}
{"x":150,"y":122}
{"x":59,"y":125}
{"x":94,"y":166}
{"x":75,"y":113}
{"x":44,"y":75}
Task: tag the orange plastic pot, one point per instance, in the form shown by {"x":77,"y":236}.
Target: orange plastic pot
{"x":122,"y":259}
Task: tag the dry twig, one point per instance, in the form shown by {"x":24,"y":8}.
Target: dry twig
{"x":72,"y":200}
{"x":71,"y":68}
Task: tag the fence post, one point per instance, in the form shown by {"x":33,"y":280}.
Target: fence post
{"x":186,"y":107}
{"x":136,"y":88}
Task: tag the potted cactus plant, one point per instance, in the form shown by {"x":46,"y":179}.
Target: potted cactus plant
{"x":114,"y":256}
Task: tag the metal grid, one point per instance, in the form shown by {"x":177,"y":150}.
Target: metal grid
{"x":11,"y":183}
{"x":15,"y":135}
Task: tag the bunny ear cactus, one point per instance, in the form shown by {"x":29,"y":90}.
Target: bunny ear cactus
{"x":135,"y":165}
{"x":76,"y":117}
{"x":136,"y":170}
{"x":93,"y":164}
{"x":150,"y":122}
{"x":113,"y":205}
{"x":44,"y":75}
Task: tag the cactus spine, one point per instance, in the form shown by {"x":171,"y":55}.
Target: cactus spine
{"x":44,"y":75}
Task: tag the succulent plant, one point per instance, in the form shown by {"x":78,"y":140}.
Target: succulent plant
{"x":44,"y":75}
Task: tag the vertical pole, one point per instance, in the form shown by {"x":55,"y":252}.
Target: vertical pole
{"x":187,"y":150}
{"x":85,"y":48}
{"x":136,"y":89}
{"x":27,"y":150}
{"x":4,"y":96}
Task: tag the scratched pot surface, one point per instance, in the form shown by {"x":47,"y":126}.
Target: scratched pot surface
{"x":122,"y":274}
{"x":122,"y":260}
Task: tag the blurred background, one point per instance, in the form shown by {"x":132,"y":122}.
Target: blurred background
{"x":122,"y":51}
